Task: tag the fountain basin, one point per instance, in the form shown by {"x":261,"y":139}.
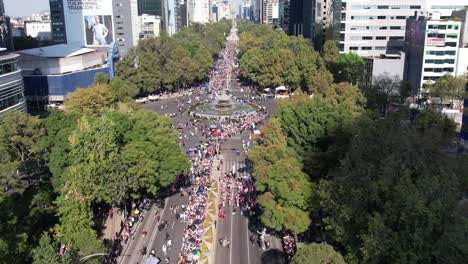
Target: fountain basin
{"x":218,"y":108}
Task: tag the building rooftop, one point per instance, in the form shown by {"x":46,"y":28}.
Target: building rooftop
{"x":57,"y":51}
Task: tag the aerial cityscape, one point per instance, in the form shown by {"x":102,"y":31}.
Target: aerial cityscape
{"x":234,"y":132}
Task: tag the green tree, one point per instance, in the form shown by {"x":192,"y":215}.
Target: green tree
{"x":101,"y":78}
{"x":394,"y":194}
{"x":330,"y":53}
{"x":13,"y":241}
{"x":448,"y":89}
{"x":286,"y":192}
{"x":317,"y":253}
{"x":47,"y":251}
{"x":405,"y":89}
{"x":20,"y":137}
{"x":123,"y":90}
{"x":90,"y":101}
{"x":349,"y":68}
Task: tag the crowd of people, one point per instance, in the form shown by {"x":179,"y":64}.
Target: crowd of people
{"x":201,"y":157}
{"x":289,"y":245}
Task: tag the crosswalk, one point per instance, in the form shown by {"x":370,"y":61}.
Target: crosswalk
{"x":238,"y":165}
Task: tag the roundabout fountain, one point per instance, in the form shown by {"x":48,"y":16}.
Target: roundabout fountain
{"x":224,"y":106}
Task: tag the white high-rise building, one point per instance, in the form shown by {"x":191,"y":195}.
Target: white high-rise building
{"x":432,"y":47}
{"x":374,"y":27}
{"x":270,"y":12}
{"x":149,"y":26}
{"x":224,"y":10}
{"x":201,"y":11}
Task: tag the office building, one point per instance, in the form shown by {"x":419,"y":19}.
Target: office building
{"x":51,"y":73}
{"x":181,"y":15}
{"x":462,"y":64}
{"x":286,"y":15}
{"x":245,"y":11}
{"x":11,"y":83}
{"x":257,"y":11}
{"x":57,"y":17}
{"x":151,"y":7}
{"x":392,"y":65}
{"x":214,"y":12}
{"x":372,"y":28}
{"x":296,"y":21}
{"x":431,"y":48}
{"x":126,"y":24}
{"x":201,"y":11}
{"x":171,"y":19}
{"x":224,"y":10}
{"x":149,"y":26}
{"x":271,"y":12}
{"x":37,"y":29}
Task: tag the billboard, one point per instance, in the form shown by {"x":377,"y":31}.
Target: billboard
{"x":438,"y":42}
{"x":89,"y":22}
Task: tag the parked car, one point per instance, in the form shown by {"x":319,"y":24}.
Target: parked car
{"x":142,"y":100}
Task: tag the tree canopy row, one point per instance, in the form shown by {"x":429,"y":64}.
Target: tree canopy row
{"x":271,"y":58}
{"x":169,"y":63}
{"x":380,"y":190}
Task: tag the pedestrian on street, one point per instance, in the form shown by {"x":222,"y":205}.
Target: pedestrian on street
{"x":164,"y":249}
{"x":167,"y":236}
{"x":252,"y":240}
{"x":169,"y":244}
{"x":166,"y":260}
{"x":143,"y":251}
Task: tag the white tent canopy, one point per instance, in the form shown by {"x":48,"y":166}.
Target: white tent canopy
{"x":280,"y":88}
{"x":152,"y":260}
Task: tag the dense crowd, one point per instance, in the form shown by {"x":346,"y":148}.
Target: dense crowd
{"x":202,"y":159}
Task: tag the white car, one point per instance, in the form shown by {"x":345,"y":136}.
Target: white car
{"x":153,"y":97}
{"x":142,"y":100}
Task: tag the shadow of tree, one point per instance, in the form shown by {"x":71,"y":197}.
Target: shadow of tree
{"x":273,"y":256}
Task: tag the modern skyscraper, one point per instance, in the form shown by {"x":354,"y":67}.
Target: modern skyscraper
{"x":57,"y":16}
{"x":150,"y":7}
{"x":296,"y":20}
{"x":155,"y":8}
{"x":181,"y":14}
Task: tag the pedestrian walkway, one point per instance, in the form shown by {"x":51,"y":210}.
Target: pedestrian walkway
{"x":112,"y":225}
{"x":209,"y":237}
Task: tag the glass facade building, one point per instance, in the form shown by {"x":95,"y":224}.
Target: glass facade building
{"x":11,"y":84}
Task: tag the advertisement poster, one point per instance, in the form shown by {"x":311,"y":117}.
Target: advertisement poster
{"x":89,"y":22}
{"x":98,"y":30}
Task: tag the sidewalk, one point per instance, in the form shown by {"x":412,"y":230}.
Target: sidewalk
{"x":112,"y":225}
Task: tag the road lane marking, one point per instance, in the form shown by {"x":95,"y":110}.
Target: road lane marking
{"x":153,"y":236}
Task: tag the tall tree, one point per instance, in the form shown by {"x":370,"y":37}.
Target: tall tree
{"x":20,"y":141}
{"x":349,"y":68}
{"x":90,"y":101}
{"x":394,"y":194}
{"x":47,"y":251}
{"x":317,"y":253}
{"x":101,"y":78}
{"x":448,"y":89}
{"x":330,"y":53}
{"x":286,"y":192}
